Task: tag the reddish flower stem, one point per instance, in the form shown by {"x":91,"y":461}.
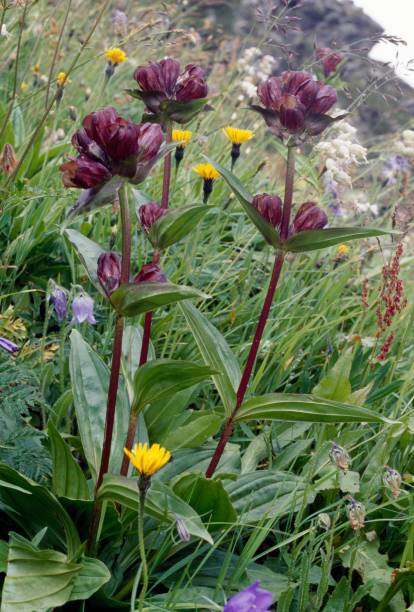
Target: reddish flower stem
{"x":277,"y":268}
{"x":146,"y":337}
{"x":115,"y":367}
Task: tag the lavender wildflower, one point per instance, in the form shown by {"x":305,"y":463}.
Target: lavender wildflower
{"x":251,"y":598}
{"x":8,"y":345}
{"x":82,"y":309}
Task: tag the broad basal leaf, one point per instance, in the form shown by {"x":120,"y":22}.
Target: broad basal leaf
{"x":90,"y":381}
{"x":131,"y":300}
{"x":43,"y":579}
{"x":336,"y":385}
{"x":68,"y":480}
{"x":195,"y":431}
{"x":301,"y":407}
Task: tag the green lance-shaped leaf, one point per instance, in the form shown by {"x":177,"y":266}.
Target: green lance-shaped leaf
{"x":175,"y":224}
{"x":245,"y":198}
{"x":43,"y":579}
{"x":88,"y":252}
{"x":160,"y":502}
{"x":311,"y":240}
{"x":90,"y":381}
{"x":68,"y":480}
{"x":216,"y":352}
{"x":161,"y":378}
{"x":194,"y":432}
{"x":131,"y":300}
{"x":301,"y":407}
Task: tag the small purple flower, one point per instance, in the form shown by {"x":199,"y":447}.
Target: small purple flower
{"x":82,"y":309}
{"x":251,"y":598}
{"x":8,"y":345}
{"x":330,"y":60}
{"x":59,"y":301}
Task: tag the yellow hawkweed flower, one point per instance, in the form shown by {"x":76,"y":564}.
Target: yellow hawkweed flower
{"x":24,"y":86}
{"x":342,"y":250}
{"x":207,"y":172}
{"x":237,"y":136}
{"x":115,"y":55}
{"x":62,"y":79}
{"x":148,"y":460}
{"x":181,"y":136}
{"x":36,"y":69}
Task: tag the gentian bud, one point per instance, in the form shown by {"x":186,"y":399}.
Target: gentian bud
{"x":150,"y":273}
{"x":182,"y":529}
{"x":309,"y":216}
{"x":149,"y":213}
{"x":82,"y":309}
{"x":340,"y":457}
{"x":8,"y":345}
{"x":109,"y":271}
{"x":392,"y":480}
{"x":251,"y":598}
{"x":59,"y":300}
{"x":269,"y":206}
{"x":330,"y":59}
{"x":8,"y":160}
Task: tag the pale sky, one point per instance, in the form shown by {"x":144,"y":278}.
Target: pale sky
{"x":397,"y":18}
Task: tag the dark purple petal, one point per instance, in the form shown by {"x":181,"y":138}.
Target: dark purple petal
{"x":270,"y":93}
{"x":158,"y":77}
{"x":292,"y":113}
{"x":170,"y":70}
{"x":109,"y":271}
{"x":8,"y":345}
{"x":150,"y":138}
{"x":150,"y":273}
{"x":324,"y":100}
{"x":84,"y":173}
{"x":309,"y":216}
{"x":269,"y":206}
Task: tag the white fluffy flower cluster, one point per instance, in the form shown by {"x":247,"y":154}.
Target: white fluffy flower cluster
{"x":405,"y":146}
{"x":255,"y":68}
{"x":341,"y":152}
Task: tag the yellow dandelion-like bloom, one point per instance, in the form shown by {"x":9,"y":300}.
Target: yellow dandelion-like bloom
{"x":115,"y":55}
{"x":148,"y":460}
{"x":207,"y":172}
{"x":237,"y":136}
{"x":181,"y":136}
{"x":36,"y":69}
{"x":24,"y":86}
{"x":62,"y":79}
{"x":342,"y":250}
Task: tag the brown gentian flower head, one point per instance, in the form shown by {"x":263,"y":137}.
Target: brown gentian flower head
{"x":295,"y":104}
{"x":166,"y":91}
{"x":109,"y":145}
{"x":149,"y":213}
{"x":309,"y":216}
{"x":150,"y":273}
{"x":109,"y":271}
{"x":269,"y":206}
{"x":329,"y":59}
